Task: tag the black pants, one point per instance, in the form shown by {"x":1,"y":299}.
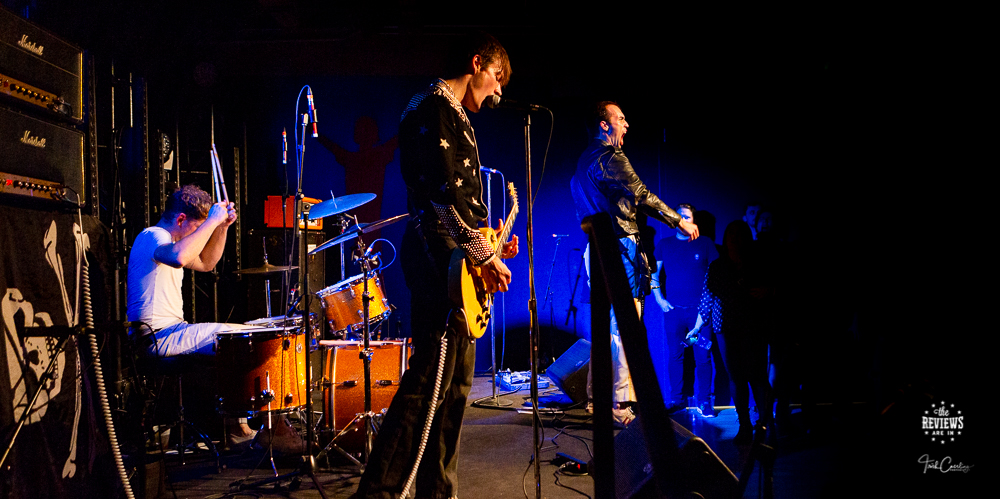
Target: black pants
{"x":746,"y":360}
{"x":425,"y":264}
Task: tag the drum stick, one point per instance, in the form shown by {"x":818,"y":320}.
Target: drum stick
{"x":218,"y":167}
{"x":215,"y":176}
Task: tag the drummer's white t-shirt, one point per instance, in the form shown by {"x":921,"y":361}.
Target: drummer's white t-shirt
{"x":154,"y":297}
{"x":154,"y":289}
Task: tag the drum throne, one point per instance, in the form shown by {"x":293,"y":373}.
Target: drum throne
{"x":164,"y":421}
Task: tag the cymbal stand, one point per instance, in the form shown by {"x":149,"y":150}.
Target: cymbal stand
{"x":267,"y":282}
{"x":362,"y":257}
{"x":343,"y":223}
{"x":308,"y":465}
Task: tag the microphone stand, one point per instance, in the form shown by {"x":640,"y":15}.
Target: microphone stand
{"x":572,"y":297}
{"x":308,"y":466}
{"x":535,"y":331}
{"x":46,"y":376}
{"x":548,"y":286}
{"x":494,"y":400}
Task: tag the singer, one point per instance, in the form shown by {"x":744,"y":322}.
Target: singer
{"x":439,"y":160}
{"x":606,"y":182}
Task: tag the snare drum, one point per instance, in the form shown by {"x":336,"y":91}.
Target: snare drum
{"x":281,"y":321}
{"x":345,"y":309}
{"x":261,"y":369}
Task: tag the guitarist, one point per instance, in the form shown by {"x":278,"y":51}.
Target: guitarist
{"x":606,"y":182}
{"x":439,"y":161}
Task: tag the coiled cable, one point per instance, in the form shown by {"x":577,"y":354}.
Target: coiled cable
{"x":88,"y":315}
{"x":431,"y":409}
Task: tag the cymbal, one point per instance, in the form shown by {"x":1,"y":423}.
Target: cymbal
{"x":354,"y":230}
{"x":343,"y":238}
{"x":267,"y":268}
{"x":373,"y":226}
{"x":338,"y":205}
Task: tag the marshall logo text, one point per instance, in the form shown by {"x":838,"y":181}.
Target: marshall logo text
{"x":32,"y":141}
{"x":30,"y":46}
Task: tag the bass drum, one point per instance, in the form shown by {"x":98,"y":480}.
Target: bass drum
{"x":261,"y":370}
{"x":344,"y":395}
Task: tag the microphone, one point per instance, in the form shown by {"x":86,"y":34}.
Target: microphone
{"x":495,"y":102}
{"x":560,"y":236}
{"x":294,"y":304}
{"x":284,"y":146}
{"x":489,"y":170}
{"x":312,"y":110}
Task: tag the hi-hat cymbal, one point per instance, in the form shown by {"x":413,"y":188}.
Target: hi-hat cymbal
{"x":267,"y":268}
{"x":354,"y":230}
{"x":338,"y":205}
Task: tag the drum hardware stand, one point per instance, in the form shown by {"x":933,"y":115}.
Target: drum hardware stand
{"x":267,"y":395}
{"x":308,"y":462}
{"x":366,"y":358}
{"x":267,"y":281}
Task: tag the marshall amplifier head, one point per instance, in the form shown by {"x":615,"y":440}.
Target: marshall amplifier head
{"x":46,"y":153}
{"x":39,"y":71}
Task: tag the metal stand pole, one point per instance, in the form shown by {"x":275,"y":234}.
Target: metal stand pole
{"x":533,"y":313}
{"x":493,"y":400}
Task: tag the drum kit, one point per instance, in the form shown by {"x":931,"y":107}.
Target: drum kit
{"x":264,"y":368}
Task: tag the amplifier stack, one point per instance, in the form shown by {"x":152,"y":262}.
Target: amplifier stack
{"x":42,"y":115}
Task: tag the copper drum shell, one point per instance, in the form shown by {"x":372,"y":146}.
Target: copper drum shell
{"x":344,"y":395}
{"x":249,"y":361}
{"x":344,"y":306}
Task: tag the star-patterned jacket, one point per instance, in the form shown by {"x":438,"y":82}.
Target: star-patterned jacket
{"x":439,"y":161}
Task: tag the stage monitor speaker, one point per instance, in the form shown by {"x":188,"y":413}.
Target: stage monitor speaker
{"x":569,"y":371}
{"x":700,"y":468}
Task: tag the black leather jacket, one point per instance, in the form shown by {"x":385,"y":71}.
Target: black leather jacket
{"x":605,"y":181}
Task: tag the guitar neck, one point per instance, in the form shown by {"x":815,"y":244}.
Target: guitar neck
{"x":508,"y":225}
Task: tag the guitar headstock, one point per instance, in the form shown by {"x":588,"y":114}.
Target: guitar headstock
{"x":512,"y":193}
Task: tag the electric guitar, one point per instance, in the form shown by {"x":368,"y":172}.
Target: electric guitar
{"x":465,"y":282}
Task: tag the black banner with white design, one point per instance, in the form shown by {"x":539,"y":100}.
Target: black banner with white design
{"x":62,"y":450}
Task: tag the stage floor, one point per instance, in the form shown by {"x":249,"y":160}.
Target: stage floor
{"x":495,"y":458}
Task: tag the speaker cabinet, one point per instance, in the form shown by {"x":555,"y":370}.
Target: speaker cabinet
{"x":698,"y":466}
{"x":569,"y":371}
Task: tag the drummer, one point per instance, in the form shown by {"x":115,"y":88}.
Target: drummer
{"x":190,"y":234}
